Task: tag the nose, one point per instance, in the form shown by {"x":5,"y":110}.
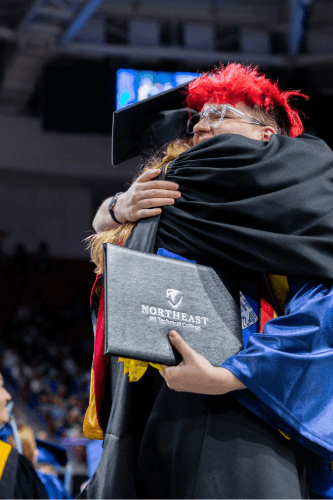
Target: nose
{"x":201,"y":126}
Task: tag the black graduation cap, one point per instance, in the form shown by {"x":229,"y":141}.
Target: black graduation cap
{"x":51,"y":453}
{"x":146,"y":126}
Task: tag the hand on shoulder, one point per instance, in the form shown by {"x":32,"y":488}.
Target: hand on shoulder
{"x":145,"y":197}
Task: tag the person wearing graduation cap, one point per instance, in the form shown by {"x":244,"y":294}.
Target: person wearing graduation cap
{"x":50,"y":458}
{"x":141,"y":130}
{"x":18,"y":478}
{"x":46,"y":457}
{"x":256,"y":199}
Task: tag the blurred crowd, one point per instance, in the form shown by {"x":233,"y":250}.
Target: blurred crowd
{"x":50,"y":382}
{"x":43,"y":357}
{"x":46,"y":346}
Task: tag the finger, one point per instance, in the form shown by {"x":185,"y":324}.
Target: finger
{"x":154,"y":203}
{"x":171,"y":186}
{"x":158,"y":193}
{"x":163,"y":373}
{"x":143,"y":214}
{"x":148,"y":175}
{"x":185,"y":350}
{"x":166,"y":367}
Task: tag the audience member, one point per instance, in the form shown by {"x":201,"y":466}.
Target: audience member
{"x":46,"y":373}
{"x":18,"y":478}
{"x":46,"y":459}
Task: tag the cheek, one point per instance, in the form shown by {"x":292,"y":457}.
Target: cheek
{"x":235,"y":127}
{"x":227,"y":126}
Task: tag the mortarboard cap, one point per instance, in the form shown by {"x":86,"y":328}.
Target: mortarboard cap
{"x":146,"y":126}
{"x":51,"y":453}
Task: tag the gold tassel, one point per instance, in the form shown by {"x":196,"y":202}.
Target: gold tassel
{"x":136,"y":368}
{"x":285,"y":435}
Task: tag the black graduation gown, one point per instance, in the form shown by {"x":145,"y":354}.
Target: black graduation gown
{"x":163,"y":444}
{"x":19,"y":478}
{"x":160,"y":443}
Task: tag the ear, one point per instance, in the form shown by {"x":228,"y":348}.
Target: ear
{"x":266,"y":133}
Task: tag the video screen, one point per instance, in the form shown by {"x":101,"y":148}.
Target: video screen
{"x":135,"y":85}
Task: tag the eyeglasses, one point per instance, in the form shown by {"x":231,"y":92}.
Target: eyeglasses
{"x":214,"y":115}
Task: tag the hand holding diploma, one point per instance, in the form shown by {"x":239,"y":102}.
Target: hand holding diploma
{"x":196,"y":374}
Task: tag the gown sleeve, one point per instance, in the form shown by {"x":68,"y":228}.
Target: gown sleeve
{"x":288,"y":369}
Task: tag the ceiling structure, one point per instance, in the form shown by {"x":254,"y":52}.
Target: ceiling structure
{"x":269,"y":33}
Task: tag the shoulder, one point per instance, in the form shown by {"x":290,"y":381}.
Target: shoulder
{"x":28,"y":484}
{"x":8,"y":470}
{"x":304,"y":294}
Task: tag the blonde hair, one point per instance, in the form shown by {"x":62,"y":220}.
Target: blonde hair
{"x":28,"y":442}
{"x":119,"y":235}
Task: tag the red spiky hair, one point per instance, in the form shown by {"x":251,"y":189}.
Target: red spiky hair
{"x":236,"y":83}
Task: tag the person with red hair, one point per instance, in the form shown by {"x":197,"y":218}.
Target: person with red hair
{"x":234,"y":84}
{"x":256,"y":200}
{"x":243,"y":84}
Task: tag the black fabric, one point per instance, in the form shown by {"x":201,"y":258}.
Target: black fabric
{"x":163,"y":444}
{"x":28,"y":484}
{"x":235,"y":212}
{"x":263,"y":206}
{"x":8,"y":478}
{"x":59,"y":453}
{"x":214,"y":448}
{"x":130,"y":123}
{"x":160,"y":128}
{"x":143,"y":235}
{"x":19,"y":479}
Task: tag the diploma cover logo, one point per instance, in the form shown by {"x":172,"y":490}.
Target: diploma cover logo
{"x":172,"y":298}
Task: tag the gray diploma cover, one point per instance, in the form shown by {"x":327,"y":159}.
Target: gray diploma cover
{"x":147,"y":295}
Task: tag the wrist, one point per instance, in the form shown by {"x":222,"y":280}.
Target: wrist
{"x":118,"y":210}
{"x":112,"y":209}
{"x":226,"y":381}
